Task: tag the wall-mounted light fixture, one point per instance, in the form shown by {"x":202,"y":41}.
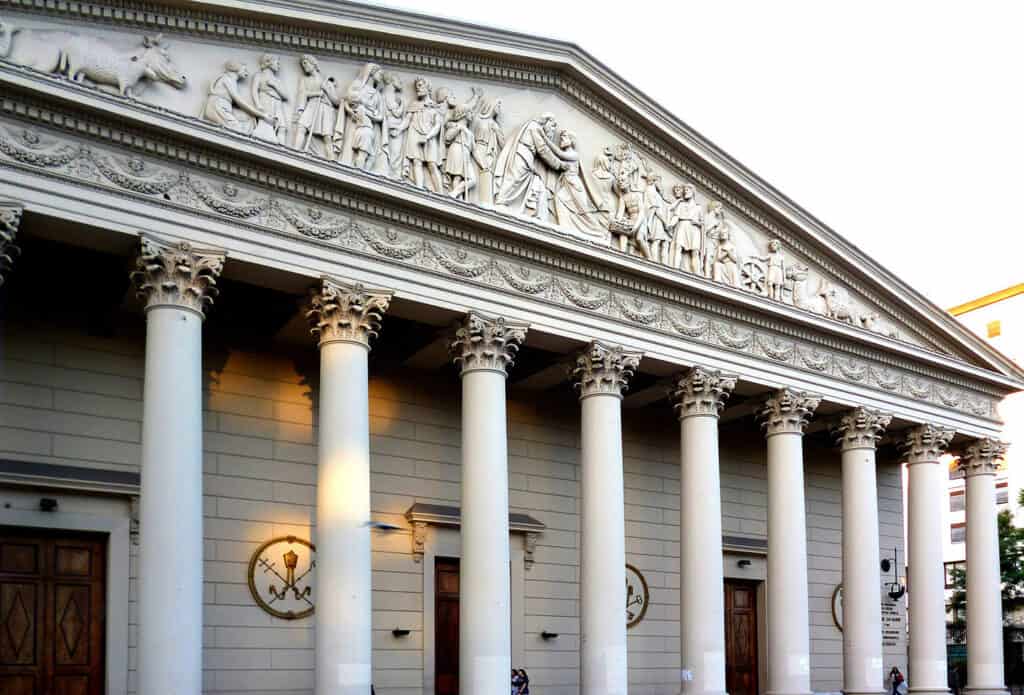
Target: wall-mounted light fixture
{"x":895,"y":589}
{"x":47,"y":504}
{"x":382,"y":526}
{"x":548,"y":635}
{"x":399,"y":632}
{"x":743,"y":563}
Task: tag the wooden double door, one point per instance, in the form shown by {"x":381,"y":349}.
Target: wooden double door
{"x":52,"y":612}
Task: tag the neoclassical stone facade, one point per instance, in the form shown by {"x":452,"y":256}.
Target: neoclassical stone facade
{"x":556,"y":334}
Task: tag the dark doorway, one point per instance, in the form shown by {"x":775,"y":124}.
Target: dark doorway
{"x":740,"y":637}
{"x":52,"y":612}
{"x":446,"y":626}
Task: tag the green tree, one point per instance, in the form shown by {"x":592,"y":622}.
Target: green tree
{"x":1011,"y":567}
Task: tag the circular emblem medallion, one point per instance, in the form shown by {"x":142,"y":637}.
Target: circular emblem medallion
{"x":837,"y":606}
{"x":637,"y":596}
{"x":279,"y":577}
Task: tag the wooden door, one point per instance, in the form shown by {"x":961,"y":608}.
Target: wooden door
{"x":446,"y":626}
{"x":740,"y":638}
{"x":52,"y":612}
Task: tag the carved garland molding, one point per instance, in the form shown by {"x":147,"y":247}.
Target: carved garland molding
{"x":352,"y":46}
{"x":666,"y":312}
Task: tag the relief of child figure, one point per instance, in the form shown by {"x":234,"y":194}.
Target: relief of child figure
{"x":775,"y":272}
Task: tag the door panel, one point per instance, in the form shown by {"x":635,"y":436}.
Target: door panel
{"x":446,"y":626}
{"x":741,"y":638}
{"x":52,"y":610}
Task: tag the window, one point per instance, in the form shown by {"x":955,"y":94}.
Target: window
{"x":1002,"y":493}
{"x":994,"y":329}
{"x":958,"y":533}
{"x":956,"y":501}
{"x":949,"y":567}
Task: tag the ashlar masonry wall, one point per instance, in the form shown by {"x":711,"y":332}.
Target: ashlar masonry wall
{"x":70,"y":399}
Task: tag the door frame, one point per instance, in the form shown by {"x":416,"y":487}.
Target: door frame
{"x":118,"y":530}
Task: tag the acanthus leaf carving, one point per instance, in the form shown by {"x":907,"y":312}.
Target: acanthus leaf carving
{"x":487,"y":343}
{"x":861,"y":428}
{"x":346,"y":312}
{"x":10,"y":220}
{"x":701,"y":391}
{"x":177,"y":274}
{"x":983,"y":456}
{"x":925,"y":443}
{"x":604,"y":369}
{"x":787,"y":411}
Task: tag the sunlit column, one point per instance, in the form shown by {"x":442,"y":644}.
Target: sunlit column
{"x":784,"y":417}
{"x":344,"y":318}
{"x":699,"y":396}
{"x":485,"y":347}
{"x":602,"y":374}
{"x":177,"y":282}
{"x":924,"y":447}
{"x":857,"y":433}
{"x":979,"y":464}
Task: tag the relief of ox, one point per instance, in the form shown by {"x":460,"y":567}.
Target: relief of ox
{"x":80,"y":57}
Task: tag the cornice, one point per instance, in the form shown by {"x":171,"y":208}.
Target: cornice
{"x":205,"y":184}
{"x":413,"y":40}
{"x":310,"y":175}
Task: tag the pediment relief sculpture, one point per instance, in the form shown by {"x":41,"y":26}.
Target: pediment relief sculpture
{"x":525,"y":154}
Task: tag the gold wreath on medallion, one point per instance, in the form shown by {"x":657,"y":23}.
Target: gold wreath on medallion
{"x":292,"y":588}
{"x":638,"y":596}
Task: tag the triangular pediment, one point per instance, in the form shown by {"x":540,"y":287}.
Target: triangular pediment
{"x":514,"y":126}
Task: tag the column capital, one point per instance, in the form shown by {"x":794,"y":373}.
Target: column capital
{"x":787,"y":411}
{"x":487,"y":343}
{"x":982,"y":457}
{"x":861,"y":428}
{"x":701,"y":391}
{"x":10,"y":220}
{"x":604,"y":369}
{"x":177,"y":274}
{"x":925,"y":443}
{"x":340,"y":312}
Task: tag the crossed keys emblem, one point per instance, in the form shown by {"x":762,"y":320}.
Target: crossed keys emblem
{"x":289,"y":600}
{"x":637,"y":596}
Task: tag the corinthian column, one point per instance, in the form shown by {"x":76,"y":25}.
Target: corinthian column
{"x":602,"y":374}
{"x":344,"y":317}
{"x":10,"y":220}
{"x":858,"y":432}
{"x":924,"y":447}
{"x":784,"y":416}
{"x":979,"y":464}
{"x":177,"y":282}
{"x":485,"y":347}
{"x":699,"y":396}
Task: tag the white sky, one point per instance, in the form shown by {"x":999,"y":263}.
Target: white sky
{"x":898,"y":124}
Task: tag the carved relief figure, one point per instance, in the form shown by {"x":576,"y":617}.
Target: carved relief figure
{"x":458,"y":161}
{"x":223,"y":98}
{"x":357,"y":129}
{"x":316,"y":103}
{"x":396,"y":122}
{"x":714,"y":222}
{"x":657,"y":219}
{"x":726,"y":268}
{"x":89,"y":57}
{"x":268,"y":95}
{"x":422,"y":147}
{"x":630,"y":221}
{"x":488,"y":142}
{"x":776,"y":270}
{"x":687,"y":221}
{"x":576,"y":206}
{"x":527,"y":168}
{"x":604,"y":178}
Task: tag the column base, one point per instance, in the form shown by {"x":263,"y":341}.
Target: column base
{"x":995,"y":690}
{"x":928,"y":691}
{"x":865,"y":691}
{"x":789,"y":692}
{"x":683,"y":690}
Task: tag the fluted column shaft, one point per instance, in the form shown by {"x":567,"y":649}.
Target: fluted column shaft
{"x":979,"y":464}
{"x":344,"y":318}
{"x":177,"y":282}
{"x":858,"y":432}
{"x":602,"y":373}
{"x":699,"y":396}
{"x":784,"y":416}
{"x":485,"y":347}
{"x":924,"y":448}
